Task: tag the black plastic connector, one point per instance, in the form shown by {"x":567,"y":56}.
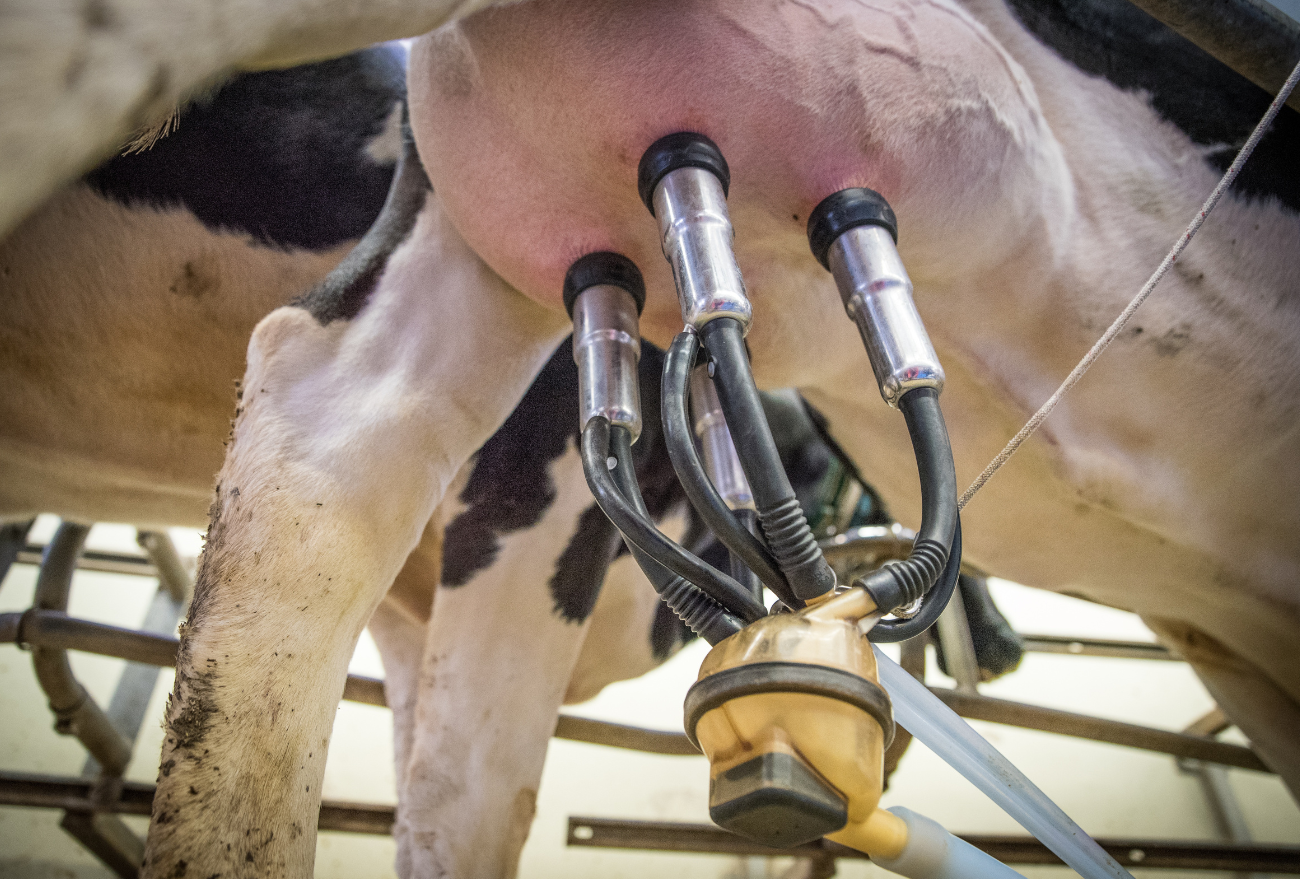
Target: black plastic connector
{"x":683,"y":149}
{"x":776,"y":800}
{"x":845,"y":210}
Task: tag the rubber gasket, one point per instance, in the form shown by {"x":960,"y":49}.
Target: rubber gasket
{"x":787,"y":677}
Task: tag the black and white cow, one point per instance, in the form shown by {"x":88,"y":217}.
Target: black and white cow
{"x":1038,"y":175}
{"x":129,"y":300}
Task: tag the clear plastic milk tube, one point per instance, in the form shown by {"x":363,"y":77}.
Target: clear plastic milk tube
{"x":939,"y":728}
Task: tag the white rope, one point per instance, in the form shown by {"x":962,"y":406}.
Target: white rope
{"x":1091,"y":357}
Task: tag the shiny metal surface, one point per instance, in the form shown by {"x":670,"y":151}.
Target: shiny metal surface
{"x":606,"y":347}
{"x":697,"y":236}
{"x":877,"y":294}
{"x":720,"y":458}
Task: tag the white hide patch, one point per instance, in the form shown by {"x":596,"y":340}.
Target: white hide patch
{"x":385,"y":148}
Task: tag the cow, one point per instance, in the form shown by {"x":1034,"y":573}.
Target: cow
{"x":1037,"y":184}
{"x":1038,"y":175}
{"x":131,"y":296}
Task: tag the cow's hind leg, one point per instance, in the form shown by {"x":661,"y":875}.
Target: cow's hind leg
{"x":358,"y":408}
{"x":522,"y":562}
{"x":1264,"y":706}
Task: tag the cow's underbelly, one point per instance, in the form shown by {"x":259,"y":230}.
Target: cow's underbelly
{"x":532,"y":118}
{"x":123,"y":340}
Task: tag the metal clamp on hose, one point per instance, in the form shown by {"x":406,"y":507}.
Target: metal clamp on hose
{"x":683,"y":179}
{"x":604,"y":294}
{"x":853,"y":234}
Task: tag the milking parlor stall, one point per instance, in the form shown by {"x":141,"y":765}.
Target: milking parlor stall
{"x":777,"y":678}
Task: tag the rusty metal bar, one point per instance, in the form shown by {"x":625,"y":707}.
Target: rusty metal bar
{"x":707,"y":839}
{"x":61,"y":630}
{"x":1097,"y":647}
{"x":76,"y":713}
{"x":1251,"y":37}
{"x":1096,"y":729}
{"x":95,"y":560}
{"x":78,"y":795}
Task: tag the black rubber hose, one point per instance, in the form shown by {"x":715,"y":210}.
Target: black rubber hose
{"x":705,"y":617}
{"x":901,"y":583}
{"x":690,"y":471}
{"x":893,"y":631}
{"x":627,"y":516}
{"x":779,"y":515}
{"x":694,"y":607}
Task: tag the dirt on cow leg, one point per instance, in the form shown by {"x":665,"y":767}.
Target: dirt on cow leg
{"x":349,"y":433}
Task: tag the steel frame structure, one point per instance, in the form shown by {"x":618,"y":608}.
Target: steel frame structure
{"x":93,"y":802}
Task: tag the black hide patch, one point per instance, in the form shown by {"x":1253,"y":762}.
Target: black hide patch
{"x":581,"y":568}
{"x":279,"y":155}
{"x":510,"y":486}
{"x":1214,"y":106}
{"x":998,"y":648}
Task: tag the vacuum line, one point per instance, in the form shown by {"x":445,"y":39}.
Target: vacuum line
{"x":1077,"y":373}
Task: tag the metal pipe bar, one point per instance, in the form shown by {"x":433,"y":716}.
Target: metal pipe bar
{"x":95,"y":560}
{"x":1251,"y":37}
{"x":1097,"y":647}
{"x":77,"y":795}
{"x":1096,"y":729}
{"x":89,"y":637}
{"x":958,"y":645}
{"x":706,"y":839}
{"x":1211,"y":723}
{"x":617,"y":735}
{"x":76,"y":713}
{"x":130,"y":701}
{"x":55,"y":629}
{"x":172,"y":575}
{"x":106,"y":837}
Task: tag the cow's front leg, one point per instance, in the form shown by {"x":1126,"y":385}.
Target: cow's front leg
{"x":358,"y":408}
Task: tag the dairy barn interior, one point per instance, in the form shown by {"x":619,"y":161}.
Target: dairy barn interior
{"x":1112,"y":726}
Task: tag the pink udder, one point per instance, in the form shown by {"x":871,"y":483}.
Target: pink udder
{"x":531,"y":120}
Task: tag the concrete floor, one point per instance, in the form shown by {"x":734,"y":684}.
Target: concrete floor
{"x":1107,"y":789}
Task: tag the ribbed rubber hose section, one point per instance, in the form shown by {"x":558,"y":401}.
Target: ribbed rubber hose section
{"x":702,"y":614}
{"x":921,"y":569}
{"x":788,"y":536}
